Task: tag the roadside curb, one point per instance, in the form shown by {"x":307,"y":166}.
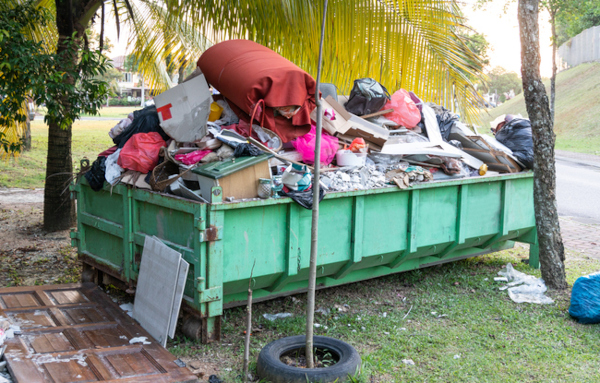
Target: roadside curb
{"x":578,"y":161}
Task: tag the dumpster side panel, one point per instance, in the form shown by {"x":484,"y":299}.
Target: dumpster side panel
{"x":178,"y":223}
{"x":520,"y":199}
{"x":254,"y":237}
{"x":436,"y":224}
{"x":483,"y":210}
{"x":103,"y":228}
{"x":383,"y":233}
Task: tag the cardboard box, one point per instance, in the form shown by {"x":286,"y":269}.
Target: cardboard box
{"x":348,"y":124}
{"x":183,"y":110}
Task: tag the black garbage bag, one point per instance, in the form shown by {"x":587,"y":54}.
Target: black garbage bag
{"x":144,"y":121}
{"x":247,"y":150}
{"x":446,"y":121}
{"x":367,"y":96}
{"x":303,"y":198}
{"x":95,"y":176}
{"x":516,"y":135}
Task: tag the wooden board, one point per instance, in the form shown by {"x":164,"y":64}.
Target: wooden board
{"x":244,"y":184}
{"x":76,"y":333}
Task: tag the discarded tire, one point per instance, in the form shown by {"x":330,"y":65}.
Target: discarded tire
{"x":272,"y":369}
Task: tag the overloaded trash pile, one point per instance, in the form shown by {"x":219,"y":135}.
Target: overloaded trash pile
{"x":252,"y":133}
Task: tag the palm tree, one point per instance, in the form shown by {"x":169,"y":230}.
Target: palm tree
{"x":410,"y":44}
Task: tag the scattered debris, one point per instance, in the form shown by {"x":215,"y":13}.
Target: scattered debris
{"x":128,"y":308}
{"x":272,"y":317}
{"x":457,"y":356}
{"x":523,"y":287}
{"x":408,"y":362}
{"x":139,"y":339}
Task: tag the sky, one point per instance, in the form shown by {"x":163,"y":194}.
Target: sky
{"x":500,"y":29}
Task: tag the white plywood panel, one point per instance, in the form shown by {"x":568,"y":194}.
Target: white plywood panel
{"x":156,"y":286}
{"x":181,"y":278}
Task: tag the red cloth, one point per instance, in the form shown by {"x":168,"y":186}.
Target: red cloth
{"x":246,"y":72}
{"x":108,"y":151}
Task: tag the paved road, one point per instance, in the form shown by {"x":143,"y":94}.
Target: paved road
{"x":578,"y":188}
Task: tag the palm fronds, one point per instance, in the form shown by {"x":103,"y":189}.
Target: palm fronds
{"x":402,"y":43}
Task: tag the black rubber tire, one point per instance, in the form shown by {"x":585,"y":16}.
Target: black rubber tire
{"x":272,"y":369}
{"x":192,"y":327}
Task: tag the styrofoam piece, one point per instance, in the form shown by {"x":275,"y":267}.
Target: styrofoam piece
{"x":348,"y":158}
{"x":156,"y":288}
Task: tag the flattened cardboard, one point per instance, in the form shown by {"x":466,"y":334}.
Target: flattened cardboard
{"x":348,"y":124}
{"x":183,"y":110}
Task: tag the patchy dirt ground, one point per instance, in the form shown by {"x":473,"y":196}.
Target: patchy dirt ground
{"x":29,"y":255}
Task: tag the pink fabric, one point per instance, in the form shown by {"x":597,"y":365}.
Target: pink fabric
{"x":192,"y":157}
{"x":306,"y":146}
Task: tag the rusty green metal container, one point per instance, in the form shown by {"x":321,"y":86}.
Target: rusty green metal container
{"x":362,"y":235}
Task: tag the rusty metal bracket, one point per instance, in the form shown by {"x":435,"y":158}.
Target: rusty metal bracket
{"x":212,"y":294}
{"x":211,"y":234}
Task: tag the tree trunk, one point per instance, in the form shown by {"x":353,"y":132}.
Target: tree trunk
{"x":552,"y":253}
{"x":27,"y":136}
{"x":59,"y":209}
{"x":554,"y":69}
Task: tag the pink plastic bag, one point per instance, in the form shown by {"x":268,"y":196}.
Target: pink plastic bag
{"x":306,"y":146}
{"x":193,"y":157}
{"x":140,"y":152}
{"x":405,"y":111}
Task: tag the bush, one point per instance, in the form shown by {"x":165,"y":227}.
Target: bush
{"x":122,"y":101}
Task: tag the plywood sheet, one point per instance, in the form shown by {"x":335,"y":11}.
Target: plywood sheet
{"x":156,"y":285}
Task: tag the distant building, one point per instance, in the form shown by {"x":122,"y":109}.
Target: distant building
{"x":130,"y":85}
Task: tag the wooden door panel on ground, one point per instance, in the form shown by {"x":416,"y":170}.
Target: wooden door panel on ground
{"x":75,"y":333}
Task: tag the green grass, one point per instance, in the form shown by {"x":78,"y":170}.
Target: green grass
{"x":496,"y":339}
{"x":577,"y":116}
{"x":107,"y":111}
{"x":116,"y":111}
{"x":29,"y":169}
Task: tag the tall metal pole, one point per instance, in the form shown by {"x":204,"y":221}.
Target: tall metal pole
{"x":312,"y":276}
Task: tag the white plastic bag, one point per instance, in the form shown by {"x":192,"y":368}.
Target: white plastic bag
{"x":523,"y":288}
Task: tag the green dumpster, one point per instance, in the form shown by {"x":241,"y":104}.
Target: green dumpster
{"x":362,"y":235}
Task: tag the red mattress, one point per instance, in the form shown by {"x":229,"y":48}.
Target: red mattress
{"x":246,"y":72}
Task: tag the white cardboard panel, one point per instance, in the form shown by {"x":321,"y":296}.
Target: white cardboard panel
{"x":183,"y":110}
